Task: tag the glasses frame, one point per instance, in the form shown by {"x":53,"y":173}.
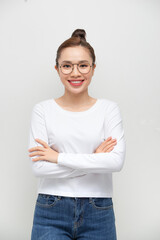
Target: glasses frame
{"x":60,"y":66}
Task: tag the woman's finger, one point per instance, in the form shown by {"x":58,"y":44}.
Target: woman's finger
{"x":37,"y":148}
{"x":107,"y":147}
{"x":38,"y":159}
{"x":110,"y":145}
{"x":42,"y":142}
{"x":37,"y":153}
{"x":109,"y":138}
{"x":110,"y":149}
{"x":107,"y":143}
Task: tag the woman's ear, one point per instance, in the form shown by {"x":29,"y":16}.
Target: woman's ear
{"x":56,"y":68}
{"x":94,"y":66}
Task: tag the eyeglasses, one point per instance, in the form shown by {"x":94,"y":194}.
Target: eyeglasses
{"x":67,"y":68}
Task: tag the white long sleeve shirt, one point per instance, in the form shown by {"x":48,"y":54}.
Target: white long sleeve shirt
{"x":75,"y":135}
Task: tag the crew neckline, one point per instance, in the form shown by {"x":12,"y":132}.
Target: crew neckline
{"x":75,"y":113}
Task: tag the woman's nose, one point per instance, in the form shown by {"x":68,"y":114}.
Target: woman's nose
{"x":75,"y":71}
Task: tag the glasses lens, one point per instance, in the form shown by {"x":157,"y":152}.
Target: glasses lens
{"x":66,"y":68}
{"x":84,"y":67}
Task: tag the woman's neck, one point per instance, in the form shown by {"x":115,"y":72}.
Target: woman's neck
{"x":75,"y":102}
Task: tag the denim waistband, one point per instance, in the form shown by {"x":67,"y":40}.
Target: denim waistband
{"x":75,"y":198}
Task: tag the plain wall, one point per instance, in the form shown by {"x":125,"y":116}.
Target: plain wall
{"x":126,"y":37}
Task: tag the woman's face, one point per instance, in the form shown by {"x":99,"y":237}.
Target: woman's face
{"x":75,"y":55}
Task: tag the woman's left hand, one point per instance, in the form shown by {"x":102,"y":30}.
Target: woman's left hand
{"x":47,"y":153}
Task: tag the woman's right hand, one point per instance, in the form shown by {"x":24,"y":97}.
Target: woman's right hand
{"x":106,"y":146}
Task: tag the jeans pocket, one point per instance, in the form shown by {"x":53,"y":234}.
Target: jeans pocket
{"x":47,"y":201}
{"x":101,"y":203}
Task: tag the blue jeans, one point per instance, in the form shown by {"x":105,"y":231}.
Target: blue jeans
{"x":73,"y":218}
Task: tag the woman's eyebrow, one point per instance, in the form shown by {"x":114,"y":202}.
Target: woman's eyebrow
{"x":78,"y":61}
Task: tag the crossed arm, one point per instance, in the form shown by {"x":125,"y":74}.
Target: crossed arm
{"x":108,"y":158}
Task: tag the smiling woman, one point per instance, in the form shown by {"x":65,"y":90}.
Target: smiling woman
{"x":75,"y":68}
{"x":76,"y":142}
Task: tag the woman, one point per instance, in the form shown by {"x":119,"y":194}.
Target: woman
{"x":75,"y":144}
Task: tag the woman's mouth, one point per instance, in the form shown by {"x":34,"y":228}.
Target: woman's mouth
{"x":76,"y":82}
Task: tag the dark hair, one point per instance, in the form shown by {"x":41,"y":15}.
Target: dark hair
{"x":78,"y":38}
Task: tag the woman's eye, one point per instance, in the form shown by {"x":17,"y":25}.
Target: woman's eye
{"x":66,"y":66}
{"x":83,"y":65}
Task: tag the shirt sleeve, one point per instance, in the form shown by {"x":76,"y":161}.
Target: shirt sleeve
{"x":44,"y":168}
{"x":101,"y":162}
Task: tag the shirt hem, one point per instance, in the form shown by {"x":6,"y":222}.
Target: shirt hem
{"x":75,"y":194}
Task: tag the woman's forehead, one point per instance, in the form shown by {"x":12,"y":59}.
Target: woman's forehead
{"x":77,"y":53}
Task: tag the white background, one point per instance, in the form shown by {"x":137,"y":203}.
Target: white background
{"x":126,"y":39}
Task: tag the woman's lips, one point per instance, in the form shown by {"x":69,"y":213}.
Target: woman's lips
{"x":76,"y":82}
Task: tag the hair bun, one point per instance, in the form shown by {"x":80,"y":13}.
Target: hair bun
{"x":79,"y":33}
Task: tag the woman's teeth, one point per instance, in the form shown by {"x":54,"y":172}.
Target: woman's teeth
{"x":76,"y":83}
